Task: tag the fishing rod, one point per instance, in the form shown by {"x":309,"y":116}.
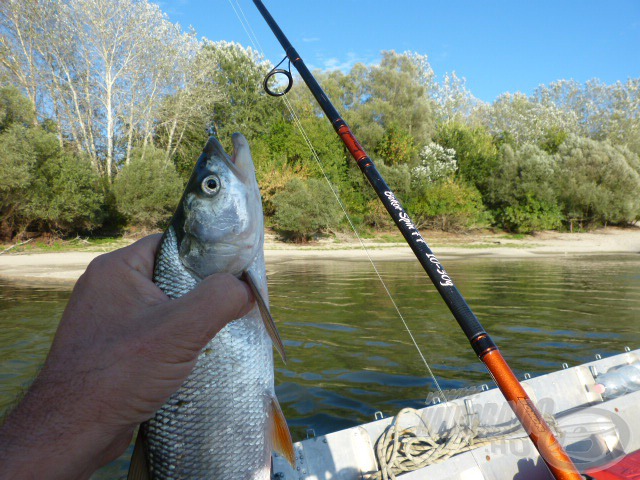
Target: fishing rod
{"x":531,"y":419}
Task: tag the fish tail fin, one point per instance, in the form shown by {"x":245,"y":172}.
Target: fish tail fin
{"x":279,"y":435}
{"x":138,"y":468}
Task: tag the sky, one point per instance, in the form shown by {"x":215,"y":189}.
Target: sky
{"x":498,"y":46}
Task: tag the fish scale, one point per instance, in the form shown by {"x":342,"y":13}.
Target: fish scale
{"x":215,"y":416}
{"x":224,"y":420}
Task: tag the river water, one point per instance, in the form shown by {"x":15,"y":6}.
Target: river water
{"x":349,"y":353}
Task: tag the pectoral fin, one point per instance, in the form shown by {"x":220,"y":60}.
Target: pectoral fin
{"x":266,"y":315}
{"x":138,"y":468}
{"x":280,"y":436}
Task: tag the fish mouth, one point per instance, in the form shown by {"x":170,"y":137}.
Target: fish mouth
{"x":215,"y":151}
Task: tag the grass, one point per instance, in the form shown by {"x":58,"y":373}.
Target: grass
{"x":78,"y":244}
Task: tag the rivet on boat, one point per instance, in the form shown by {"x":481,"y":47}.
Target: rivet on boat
{"x":484,"y":387}
{"x":378,"y":415}
{"x":598,"y":356}
{"x":565,"y":366}
{"x":527,"y":376}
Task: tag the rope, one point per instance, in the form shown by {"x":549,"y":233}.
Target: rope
{"x":401,"y":450}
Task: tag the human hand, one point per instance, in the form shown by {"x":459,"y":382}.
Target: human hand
{"x":121,"y":349}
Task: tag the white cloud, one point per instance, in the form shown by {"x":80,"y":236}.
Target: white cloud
{"x":343,"y":64}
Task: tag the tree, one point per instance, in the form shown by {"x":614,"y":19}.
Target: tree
{"x":45,"y":187}
{"x":454,"y":102}
{"x":17,"y":165}
{"x":603,"y":111}
{"x":99,"y":68}
{"x":476,"y":153}
{"x":523,"y":197}
{"x":15,"y":108}
{"x":597,"y":182}
{"x":524,"y":120}
{"x":396,"y":94}
{"x":222,"y":89}
{"x":19,"y":35}
{"x":396,"y":146}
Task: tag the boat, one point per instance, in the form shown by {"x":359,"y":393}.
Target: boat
{"x":472,"y":434}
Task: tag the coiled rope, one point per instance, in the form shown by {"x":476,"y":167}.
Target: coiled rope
{"x":401,"y":450}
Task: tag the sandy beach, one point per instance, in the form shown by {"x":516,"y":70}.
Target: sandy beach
{"x":66,"y":267}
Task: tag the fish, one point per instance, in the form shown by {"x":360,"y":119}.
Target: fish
{"x":225,"y":420}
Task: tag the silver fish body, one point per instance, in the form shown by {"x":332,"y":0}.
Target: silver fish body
{"x":218,"y":424}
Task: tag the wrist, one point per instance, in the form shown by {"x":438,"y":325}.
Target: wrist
{"x":45,"y":438}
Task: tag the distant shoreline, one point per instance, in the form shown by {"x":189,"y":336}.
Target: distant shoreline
{"x":66,"y":267}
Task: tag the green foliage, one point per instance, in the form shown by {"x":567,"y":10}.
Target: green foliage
{"x":552,"y":139}
{"x":597,"y":182}
{"x":476,"y":153}
{"x":449,"y":205}
{"x":67,"y":195}
{"x":238,"y":72}
{"x":147,"y":190}
{"x":530,"y":215}
{"x":394,"y":93}
{"x":17,"y":165}
{"x":398,"y":178}
{"x":523,"y":198}
{"x":453,"y":160}
{"x":304,"y":208}
{"x":397,"y":146}
{"x":15,"y":108}
{"x":44,"y":187}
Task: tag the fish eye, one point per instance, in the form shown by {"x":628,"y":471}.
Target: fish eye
{"x":211,"y":185}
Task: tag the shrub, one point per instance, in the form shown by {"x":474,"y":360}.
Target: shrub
{"x":304,"y":208}
{"x":67,"y":195}
{"x":44,"y":187}
{"x":147,"y":190}
{"x":450,"y":205}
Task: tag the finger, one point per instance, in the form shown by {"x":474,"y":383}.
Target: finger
{"x":197,"y":316}
{"x":141,"y":255}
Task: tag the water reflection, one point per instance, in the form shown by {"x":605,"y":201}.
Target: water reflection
{"x":350,"y":355}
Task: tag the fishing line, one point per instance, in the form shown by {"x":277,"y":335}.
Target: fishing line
{"x":256,"y":44}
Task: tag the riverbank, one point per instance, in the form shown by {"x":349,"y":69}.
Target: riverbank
{"x":65,"y":267}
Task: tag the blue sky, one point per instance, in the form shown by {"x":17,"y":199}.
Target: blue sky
{"x":498,"y":46}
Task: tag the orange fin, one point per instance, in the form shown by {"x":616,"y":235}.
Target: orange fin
{"x":267,"y":319}
{"x":138,"y":468}
{"x":279,"y":435}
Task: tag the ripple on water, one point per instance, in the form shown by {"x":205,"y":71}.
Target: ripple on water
{"x":349,"y":354}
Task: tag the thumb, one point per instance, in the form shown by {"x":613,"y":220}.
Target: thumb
{"x":195,"y":318}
